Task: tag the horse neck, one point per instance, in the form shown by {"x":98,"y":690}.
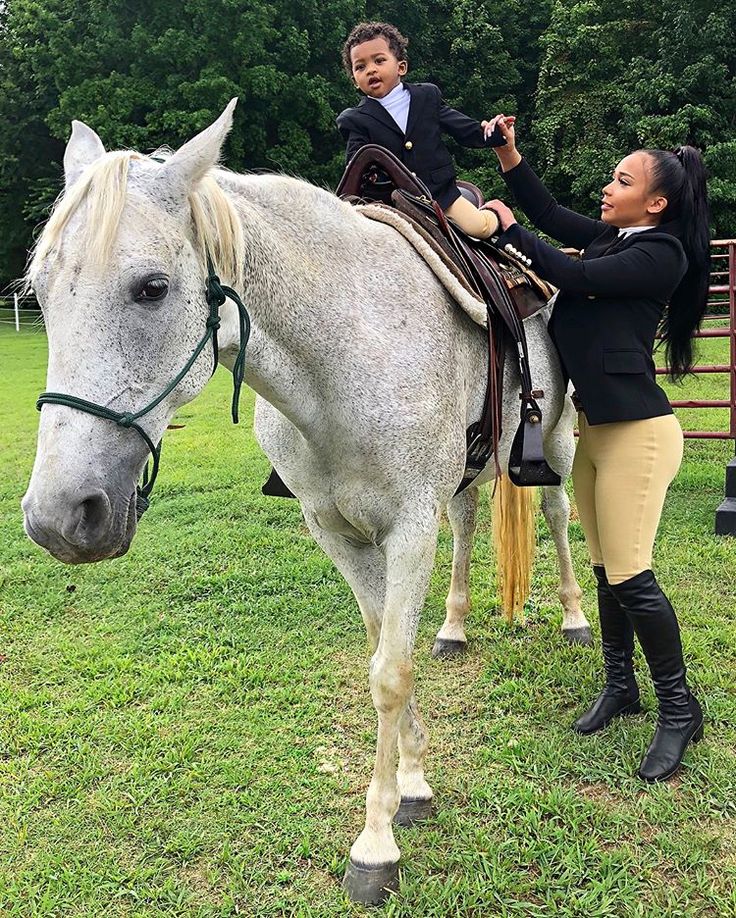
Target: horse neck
{"x":294,"y":259}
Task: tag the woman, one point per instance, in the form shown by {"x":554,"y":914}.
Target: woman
{"x":644,"y":268}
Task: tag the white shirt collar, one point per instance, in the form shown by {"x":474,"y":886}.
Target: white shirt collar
{"x":394,"y":95}
{"x":626,"y":230}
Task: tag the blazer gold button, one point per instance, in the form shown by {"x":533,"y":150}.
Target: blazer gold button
{"x":408,"y":145}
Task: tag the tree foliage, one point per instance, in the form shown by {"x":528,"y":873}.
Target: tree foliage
{"x":618,"y":75}
{"x":588,"y":79}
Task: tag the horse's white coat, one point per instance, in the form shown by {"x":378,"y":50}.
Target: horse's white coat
{"x":367,"y":376}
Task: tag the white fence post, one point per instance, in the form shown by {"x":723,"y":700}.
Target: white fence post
{"x":17,"y":317}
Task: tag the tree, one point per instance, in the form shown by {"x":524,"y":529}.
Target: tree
{"x":622,"y":74}
{"x":588,"y":80}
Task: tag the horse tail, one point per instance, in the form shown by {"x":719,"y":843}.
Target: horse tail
{"x":514,"y":537}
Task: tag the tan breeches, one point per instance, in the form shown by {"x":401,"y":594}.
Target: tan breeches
{"x":620,"y":475}
{"x":475,"y":222}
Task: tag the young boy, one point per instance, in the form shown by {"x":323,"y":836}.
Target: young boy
{"x":408,"y":118}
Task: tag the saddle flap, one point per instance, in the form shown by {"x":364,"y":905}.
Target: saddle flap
{"x":528,"y":292}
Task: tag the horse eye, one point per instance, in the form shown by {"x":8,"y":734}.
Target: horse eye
{"x":154,"y":289}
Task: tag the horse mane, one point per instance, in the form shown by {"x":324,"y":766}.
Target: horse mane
{"x":104,"y":187}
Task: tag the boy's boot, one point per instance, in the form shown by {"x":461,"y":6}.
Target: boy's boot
{"x":680,"y":716}
{"x":620,"y":694}
{"x":275,"y":487}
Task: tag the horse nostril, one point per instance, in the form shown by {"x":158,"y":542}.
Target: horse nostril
{"x":89,"y":519}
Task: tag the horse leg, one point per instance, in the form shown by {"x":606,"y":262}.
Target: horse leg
{"x":556,"y":510}
{"x":560,"y":449}
{"x":416,"y":794}
{"x":364,"y":569}
{"x":373,"y":868}
{"x":461,"y":512}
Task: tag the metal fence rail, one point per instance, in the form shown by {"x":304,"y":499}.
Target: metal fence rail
{"x":722,"y":308}
{"x":722,"y":296}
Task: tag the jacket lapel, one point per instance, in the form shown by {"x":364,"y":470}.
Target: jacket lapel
{"x":604,"y":243}
{"x":370,"y":107}
{"x":608,"y":243}
{"x":415,"y":107}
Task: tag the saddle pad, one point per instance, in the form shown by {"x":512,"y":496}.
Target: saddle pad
{"x":442,"y":268}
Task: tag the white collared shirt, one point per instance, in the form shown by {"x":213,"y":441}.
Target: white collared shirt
{"x":397,"y":104}
{"x":627,"y":230}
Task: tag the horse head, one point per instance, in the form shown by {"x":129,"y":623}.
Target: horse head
{"x":119,"y":272}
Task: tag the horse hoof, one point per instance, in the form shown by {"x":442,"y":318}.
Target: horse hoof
{"x":578,"y":636}
{"x":413,"y":809}
{"x":446,"y":648}
{"x":370,"y":885}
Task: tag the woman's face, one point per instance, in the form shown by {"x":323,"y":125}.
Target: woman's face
{"x":627,"y":198}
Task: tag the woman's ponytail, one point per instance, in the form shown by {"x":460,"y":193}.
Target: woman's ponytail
{"x":680,"y":177}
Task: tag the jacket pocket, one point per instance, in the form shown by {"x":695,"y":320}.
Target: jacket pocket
{"x":443,"y":174}
{"x":624,"y":361}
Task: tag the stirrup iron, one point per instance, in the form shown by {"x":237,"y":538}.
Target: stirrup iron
{"x":527,"y":465}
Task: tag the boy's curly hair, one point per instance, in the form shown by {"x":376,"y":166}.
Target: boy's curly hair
{"x":366,"y":31}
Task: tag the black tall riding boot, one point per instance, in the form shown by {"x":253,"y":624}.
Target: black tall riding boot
{"x":620,"y":694}
{"x":680,"y":716}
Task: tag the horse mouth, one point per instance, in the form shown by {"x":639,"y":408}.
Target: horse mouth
{"x":113,"y":543}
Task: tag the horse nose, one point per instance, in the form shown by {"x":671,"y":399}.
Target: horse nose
{"x":89,"y":521}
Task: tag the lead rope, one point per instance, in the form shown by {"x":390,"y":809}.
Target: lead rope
{"x":216,"y":293}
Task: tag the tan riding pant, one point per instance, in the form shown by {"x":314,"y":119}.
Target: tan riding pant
{"x":475,"y":222}
{"x":620,"y":475}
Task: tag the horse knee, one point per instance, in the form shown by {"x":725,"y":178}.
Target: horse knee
{"x":391,"y":682}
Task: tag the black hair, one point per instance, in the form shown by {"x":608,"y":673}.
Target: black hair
{"x":680,"y":177}
{"x":367,"y":31}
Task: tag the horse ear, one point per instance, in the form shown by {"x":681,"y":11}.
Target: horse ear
{"x":83,"y":148}
{"x":190,"y":162}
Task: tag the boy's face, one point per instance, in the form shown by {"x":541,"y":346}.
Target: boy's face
{"x":376,"y":69}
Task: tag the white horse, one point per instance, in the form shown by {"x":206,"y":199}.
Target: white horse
{"x":367,"y":375}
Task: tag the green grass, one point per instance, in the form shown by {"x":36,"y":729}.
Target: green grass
{"x":187,"y":731}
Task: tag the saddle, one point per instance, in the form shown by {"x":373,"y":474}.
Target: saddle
{"x":509,"y":290}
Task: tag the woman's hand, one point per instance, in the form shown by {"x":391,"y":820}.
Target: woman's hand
{"x":508,"y":155}
{"x":505,"y":214}
{"x":506,"y":127}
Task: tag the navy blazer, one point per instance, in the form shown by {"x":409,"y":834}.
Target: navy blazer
{"x":421,"y":148}
{"x":610,"y":303}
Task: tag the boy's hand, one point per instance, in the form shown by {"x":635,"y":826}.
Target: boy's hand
{"x":508,"y":155}
{"x":505,"y":214}
{"x":506,"y":127}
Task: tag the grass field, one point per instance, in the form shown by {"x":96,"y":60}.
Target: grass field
{"x":187,"y":731}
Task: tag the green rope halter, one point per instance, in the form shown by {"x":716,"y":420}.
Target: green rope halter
{"x":216,"y":294}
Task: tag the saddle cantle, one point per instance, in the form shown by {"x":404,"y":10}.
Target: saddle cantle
{"x":374,"y":173}
{"x":510,"y":291}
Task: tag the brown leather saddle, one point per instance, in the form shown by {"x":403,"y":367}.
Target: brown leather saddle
{"x":510,"y":291}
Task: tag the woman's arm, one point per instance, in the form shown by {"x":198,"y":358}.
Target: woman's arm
{"x":648,"y":267}
{"x":534,"y":198}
